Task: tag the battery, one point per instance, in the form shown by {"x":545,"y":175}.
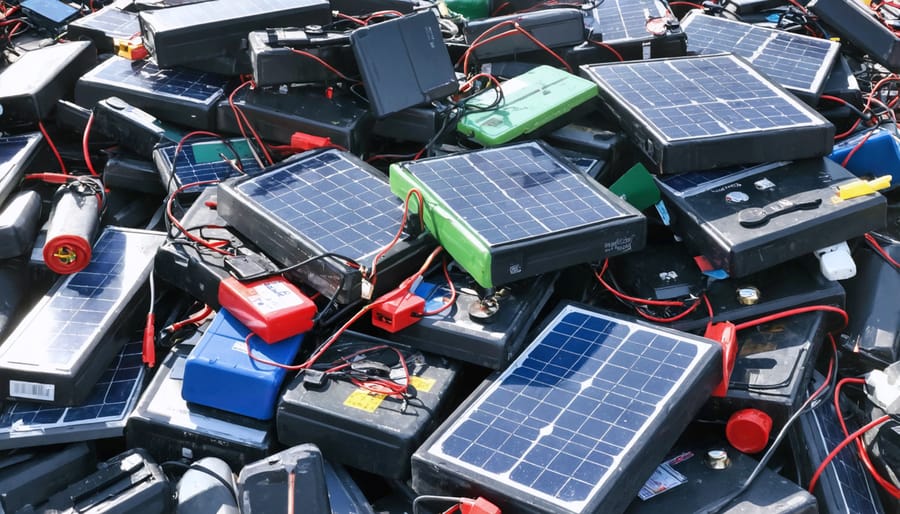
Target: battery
{"x":132,"y":128}
{"x":554,"y":28}
{"x":486,"y":328}
{"x":202,"y":161}
{"x":49,"y":15}
{"x":276,"y":116}
{"x":31,"y":86}
{"x":272,"y":308}
{"x":20,"y":221}
{"x":774,"y":364}
{"x":749,"y":220}
{"x":275,"y":60}
{"x":856,"y":22}
{"x":72,"y":226}
{"x":361,"y":7}
{"x":126,"y":171}
{"x":129,"y":482}
{"x":169,"y":428}
{"x":343,"y":492}
{"x":16,"y":155}
{"x":103,"y":26}
{"x":15,"y":284}
{"x":690,"y":481}
{"x":596,"y":139}
{"x":220,"y":373}
{"x":527,"y":103}
{"x":197,"y":32}
{"x":875,"y":153}
{"x":180,"y":95}
{"x":370,"y":431}
{"x":417,"y":124}
{"x":30,"y":477}
{"x":50,"y":357}
{"x":874,"y":330}
{"x":275,"y":483}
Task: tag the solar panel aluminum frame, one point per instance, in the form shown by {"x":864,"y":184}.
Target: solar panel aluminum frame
{"x":808,"y":94}
{"x":494,"y":264}
{"x":667,"y":155}
{"x":287,"y":245}
{"x":69,"y":383}
{"x":13,"y":169}
{"x":854,"y":21}
{"x":434,"y":473}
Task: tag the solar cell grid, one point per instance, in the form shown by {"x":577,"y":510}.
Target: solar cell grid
{"x":111,"y":21}
{"x":617,"y":20}
{"x":180,"y":83}
{"x":188,"y":170}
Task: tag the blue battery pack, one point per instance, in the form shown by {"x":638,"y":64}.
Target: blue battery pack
{"x":220,"y":374}
{"x":879,"y":155}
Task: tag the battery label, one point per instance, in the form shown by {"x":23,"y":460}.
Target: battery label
{"x":364,"y":400}
{"x":273,"y":296}
{"x":664,"y":478}
{"x":32,"y":390}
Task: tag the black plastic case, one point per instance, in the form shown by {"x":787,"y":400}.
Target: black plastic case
{"x":180,"y":95}
{"x":360,"y":7}
{"x":126,"y":171}
{"x":752,"y":219}
{"x":471,"y":330}
{"x":343,"y":118}
{"x":17,"y":154}
{"x":416,"y":124}
{"x":30,"y":477}
{"x":20,"y":220}
{"x":198,"y":32}
{"x":280,"y":482}
{"x":129,"y":482}
{"x":874,"y":330}
{"x":856,"y":22}
{"x":553,"y":27}
{"x":274,"y":61}
{"x":403,"y":62}
{"x":377,"y":434}
{"x":171,"y":429}
{"x":103,"y":26}
{"x":31,"y":86}
{"x":14,"y":287}
{"x":49,"y":16}
{"x":132,"y":128}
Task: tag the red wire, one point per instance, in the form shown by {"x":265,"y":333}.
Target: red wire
{"x":633,"y":299}
{"x":324,"y":64}
{"x":793,"y":312}
{"x":373,"y":274}
{"x":51,"y":178}
{"x":677,"y":317}
{"x":238,"y":115}
{"x":880,"y":249}
{"x":450,"y":301}
{"x":798,"y":5}
{"x":544,"y":47}
{"x":500,"y":8}
{"x":613,"y":50}
{"x":350,"y":18}
{"x":84,"y":146}
{"x":692,"y":5}
{"x":62,"y":165}
{"x":191,"y":320}
{"x":177,"y":224}
{"x":850,"y":438}
{"x":856,"y":148}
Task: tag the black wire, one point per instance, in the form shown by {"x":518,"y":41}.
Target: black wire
{"x":300,"y":264}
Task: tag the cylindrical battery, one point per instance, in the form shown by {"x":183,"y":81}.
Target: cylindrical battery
{"x":73,"y":225}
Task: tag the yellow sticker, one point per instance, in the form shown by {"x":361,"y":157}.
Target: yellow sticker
{"x":364,"y":400}
{"x":422,"y":384}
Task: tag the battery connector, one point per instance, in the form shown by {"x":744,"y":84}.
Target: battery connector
{"x":302,"y":142}
{"x":132,"y":49}
{"x":477,"y":506}
{"x":399,"y":308}
{"x":725,"y":333}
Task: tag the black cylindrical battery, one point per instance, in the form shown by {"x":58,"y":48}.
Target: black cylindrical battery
{"x":73,"y":225}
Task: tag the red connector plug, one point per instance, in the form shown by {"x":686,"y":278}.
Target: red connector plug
{"x":301,"y":141}
{"x":149,"y":349}
{"x":398,"y":309}
{"x":726,"y":335}
{"x":477,"y":506}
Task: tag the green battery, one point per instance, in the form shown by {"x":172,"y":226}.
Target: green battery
{"x":530,"y":101}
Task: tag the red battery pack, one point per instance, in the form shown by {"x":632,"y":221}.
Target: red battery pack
{"x":273,"y":308}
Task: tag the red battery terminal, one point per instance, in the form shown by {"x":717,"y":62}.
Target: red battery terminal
{"x":725,"y":334}
{"x":399,"y":308}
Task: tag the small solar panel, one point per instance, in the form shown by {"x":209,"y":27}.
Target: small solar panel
{"x":505,"y":199}
{"x":189,"y":170}
{"x":618,"y":20}
{"x":578,"y":422}
{"x":16,"y":153}
{"x":104,"y":25}
{"x":102,"y":415}
{"x":63,"y":345}
{"x":688,"y":184}
{"x":712,"y":111}
{"x":799,"y":63}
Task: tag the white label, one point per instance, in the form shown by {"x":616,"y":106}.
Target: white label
{"x":273,"y":296}
{"x":663,"y":479}
{"x":240,"y":346}
{"x":32,"y":390}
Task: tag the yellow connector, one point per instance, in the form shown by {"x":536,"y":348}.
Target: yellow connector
{"x":863,"y":187}
{"x":132,"y":49}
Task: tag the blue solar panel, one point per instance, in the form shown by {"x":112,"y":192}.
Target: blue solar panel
{"x":702,"y":97}
{"x":143,"y":76}
{"x":112,"y":22}
{"x":330,"y":200}
{"x":188,"y":170}
{"x":621,"y":20}
{"x":688,"y":184}
{"x":797,"y":62}
{"x":102,"y":415}
{"x":74,"y":316}
{"x":15,"y":155}
{"x":514,"y":193}
{"x":564,"y":422}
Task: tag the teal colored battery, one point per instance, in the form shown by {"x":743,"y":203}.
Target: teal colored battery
{"x":530,"y":101}
{"x":219,"y":373}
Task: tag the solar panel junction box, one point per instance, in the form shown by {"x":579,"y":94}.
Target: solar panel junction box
{"x":554,"y":28}
{"x":404,"y":62}
{"x":577,"y":422}
{"x":196,"y":32}
{"x":551,"y":220}
{"x":748,"y":220}
{"x":31,"y":86}
{"x":219,"y":373}
{"x":275,"y":62}
{"x":183,"y":96}
{"x":19,"y":224}
{"x":344,"y":118}
{"x":706,"y":486}
{"x":371,"y":432}
{"x":292,"y":214}
{"x":50,"y":16}
{"x":874,"y":330}
{"x":170,"y":428}
{"x":641,"y":29}
{"x":64,"y":344}
{"x":16,"y":155}
{"x":103,"y":26}
{"x":856,"y":22}
{"x":131,"y":127}
{"x":200,"y":161}
{"x":748,"y":120}
{"x":129,"y":482}
{"x":792,"y":284}
{"x":129,"y":172}
{"x":773,"y":367}
{"x":844,"y":486}
{"x":484,"y":329}
{"x":30,"y":477}
{"x":540,"y":99}
{"x":275,"y":483}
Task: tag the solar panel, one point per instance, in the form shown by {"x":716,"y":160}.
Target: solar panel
{"x":578,"y":421}
{"x":504,"y":200}
{"x":189,"y":170}
{"x":62,"y":346}
{"x":16,"y":153}
{"x":618,"y":20}
{"x":711,"y":111}
{"x":102,"y":415}
{"x":106,"y":24}
{"x":799,"y":63}
{"x":688,"y":184}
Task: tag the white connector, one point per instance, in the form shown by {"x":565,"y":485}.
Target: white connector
{"x":835,"y":262}
{"x":883,"y":388}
